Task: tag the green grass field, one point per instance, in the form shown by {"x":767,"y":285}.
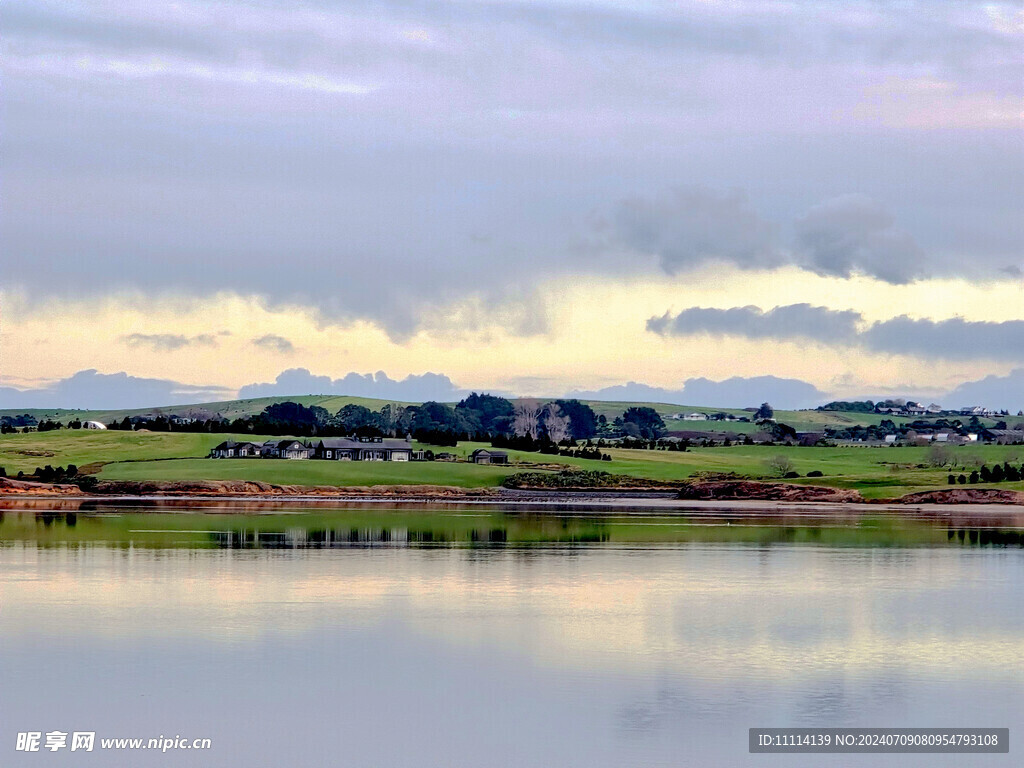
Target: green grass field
{"x":876,"y":472}
{"x":337,"y":473}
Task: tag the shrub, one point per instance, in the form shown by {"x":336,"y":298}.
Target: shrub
{"x":780,"y":464}
{"x":815,"y":473}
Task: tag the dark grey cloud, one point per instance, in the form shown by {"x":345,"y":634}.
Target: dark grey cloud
{"x":274,"y":343}
{"x":854,"y":234}
{"x":692,"y":226}
{"x":413,"y":388}
{"x":793,"y":321}
{"x":109,"y":391}
{"x":735,"y":392}
{"x":169,"y":342}
{"x":952,"y":339}
{"x":842,"y":237}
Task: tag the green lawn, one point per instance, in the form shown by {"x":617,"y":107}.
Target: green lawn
{"x":297,"y":472}
{"x":876,"y":472}
{"x":81,"y":447}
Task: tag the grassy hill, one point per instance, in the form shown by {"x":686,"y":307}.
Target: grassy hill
{"x":803,"y":421}
{"x":229,"y":409}
{"x":876,"y":472}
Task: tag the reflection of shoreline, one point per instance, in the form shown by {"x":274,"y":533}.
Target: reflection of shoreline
{"x":299,"y":527}
{"x":553,"y":503}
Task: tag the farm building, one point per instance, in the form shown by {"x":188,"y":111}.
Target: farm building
{"x":486,"y":456}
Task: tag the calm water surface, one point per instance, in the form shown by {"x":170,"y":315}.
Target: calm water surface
{"x":436,"y":638}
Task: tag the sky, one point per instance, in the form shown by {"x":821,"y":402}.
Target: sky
{"x":702,"y":199}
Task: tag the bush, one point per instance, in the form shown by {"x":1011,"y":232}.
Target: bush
{"x":780,"y":465}
{"x":815,"y":473}
{"x":791,"y":475}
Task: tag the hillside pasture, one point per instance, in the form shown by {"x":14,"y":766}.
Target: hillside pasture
{"x":875,"y":472}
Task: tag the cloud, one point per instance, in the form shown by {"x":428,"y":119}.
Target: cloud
{"x":413,"y":388}
{"x":169,"y":342}
{"x":102,"y":391}
{"x":736,"y":392}
{"x":854,"y":234}
{"x":841,"y":237}
{"x":691,"y":226}
{"x":793,"y":321}
{"x":506,"y":125}
{"x":952,"y":339}
{"x":991,"y":391}
{"x":274,"y":343}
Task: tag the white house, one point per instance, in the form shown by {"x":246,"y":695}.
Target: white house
{"x":93,"y":425}
{"x":696,"y":417}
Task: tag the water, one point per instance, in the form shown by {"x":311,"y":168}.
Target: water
{"x":472,"y":637}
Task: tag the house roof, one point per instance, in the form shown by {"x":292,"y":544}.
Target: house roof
{"x":347,"y":443}
{"x":488,"y":451}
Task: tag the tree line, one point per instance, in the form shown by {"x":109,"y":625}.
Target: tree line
{"x":999,"y":473}
{"x":480,"y":417}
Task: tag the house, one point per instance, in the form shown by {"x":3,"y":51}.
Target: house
{"x":488,"y":456}
{"x":363,"y":449}
{"x":695,"y":417}
{"x":229,"y":449}
{"x":93,"y":425}
{"x":293,"y":449}
{"x":891,"y":439}
{"x":810,"y":438}
{"x":1003,"y":436}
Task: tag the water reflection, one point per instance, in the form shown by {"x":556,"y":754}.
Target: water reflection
{"x":311,"y":639}
{"x":303,"y":527}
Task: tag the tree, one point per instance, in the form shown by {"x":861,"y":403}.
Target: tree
{"x":648,"y":423}
{"x":526,"y":417}
{"x":435,"y":417}
{"x":939,"y":455}
{"x":764,"y":412}
{"x":556,"y":423}
{"x":780,"y":465}
{"x":582,"y":419}
{"x":493,"y":414}
{"x":354,"y":417}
